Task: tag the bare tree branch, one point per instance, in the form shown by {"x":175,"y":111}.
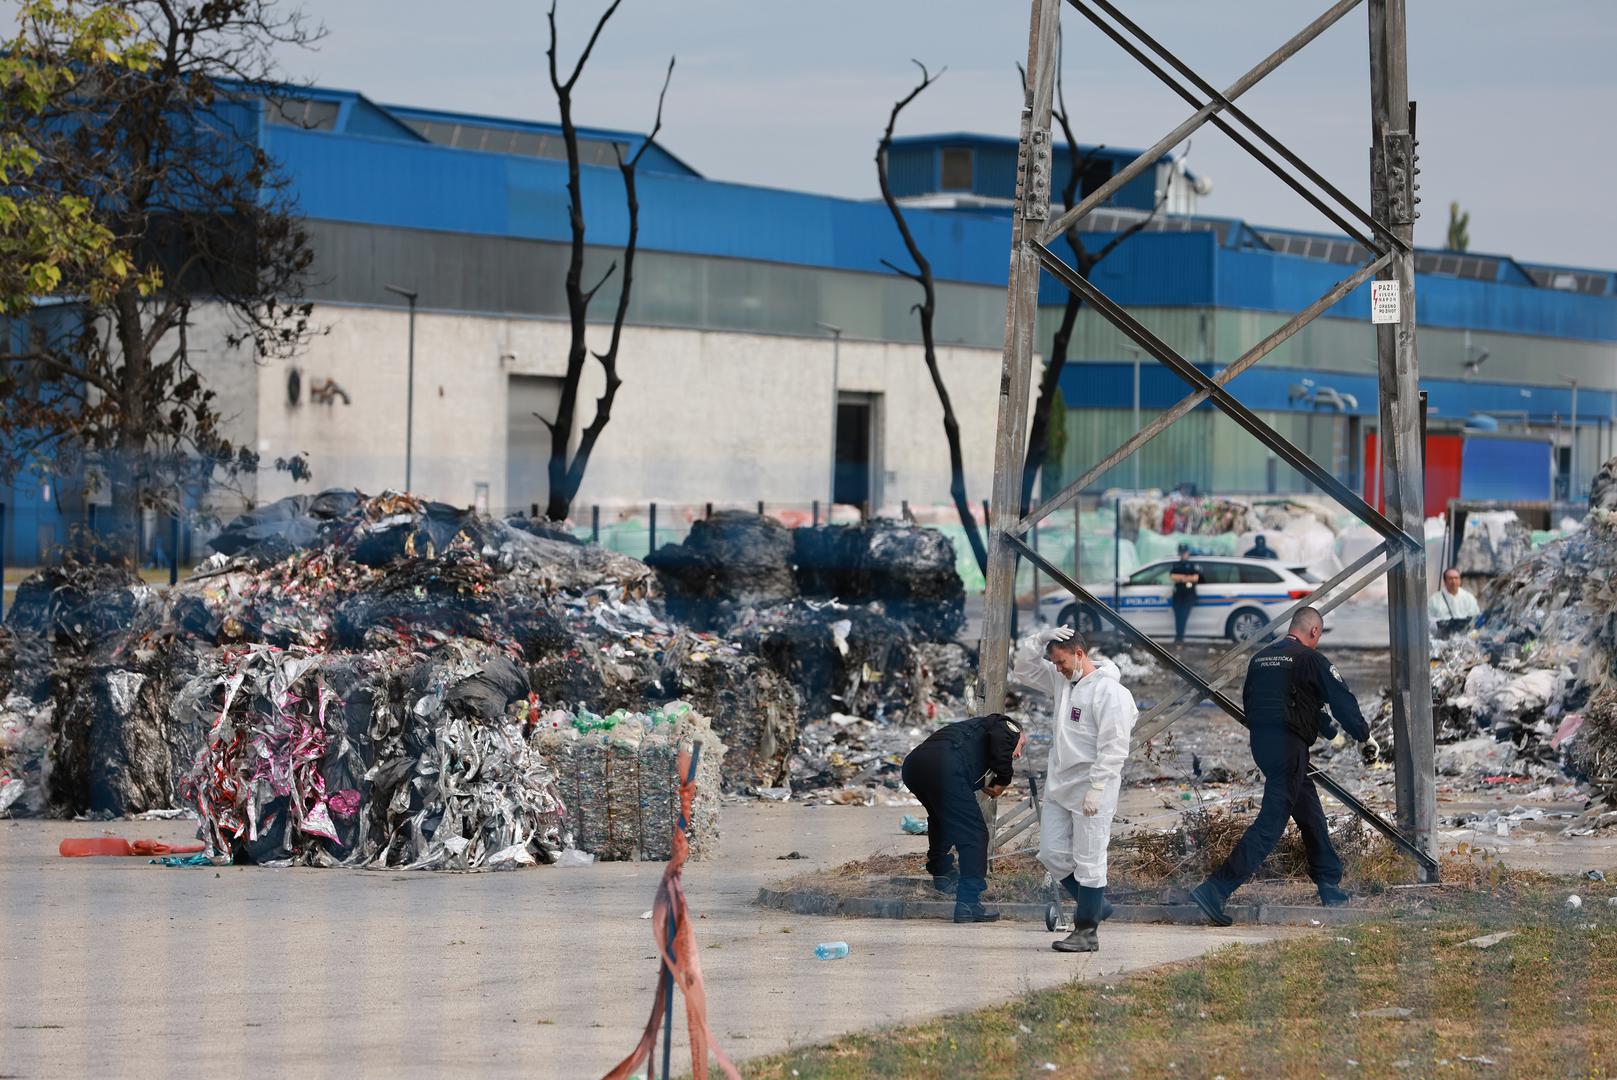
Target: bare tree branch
{"x":925,"y":312}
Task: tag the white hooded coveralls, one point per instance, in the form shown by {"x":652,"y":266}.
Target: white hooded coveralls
{"x":1090,"y":725}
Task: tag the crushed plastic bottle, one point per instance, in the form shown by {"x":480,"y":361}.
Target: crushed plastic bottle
{"x":831,"y":950}
{"x":913,"y":825}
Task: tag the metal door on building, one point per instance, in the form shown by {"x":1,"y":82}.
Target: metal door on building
{"x":527,"y":439}
{"x":858,"y":450}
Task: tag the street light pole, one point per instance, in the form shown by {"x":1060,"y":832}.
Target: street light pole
{"x":1136,"y":455}
{"x":410,"y":296}
{"x":836,"y":380}
{"x":1572,"y":477}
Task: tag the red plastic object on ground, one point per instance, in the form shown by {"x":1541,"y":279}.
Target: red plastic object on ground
{"x":77,"y":847}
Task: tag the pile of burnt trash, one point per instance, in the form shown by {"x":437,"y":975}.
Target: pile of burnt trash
{"x":1530,"y":695}
{"x":309,"y":689}
{"x":861,"y":620}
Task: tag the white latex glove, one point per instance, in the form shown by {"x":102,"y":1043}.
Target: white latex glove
{"x":1340,"y":740}
{"x":1055,"y":633}
{"x":1375,"y":747}
{"x":1092,"y":802}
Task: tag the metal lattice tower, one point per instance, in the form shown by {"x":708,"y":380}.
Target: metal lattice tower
{"x":1386,"y":231}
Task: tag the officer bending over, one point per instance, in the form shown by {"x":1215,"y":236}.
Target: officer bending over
{"x":945,"y":772}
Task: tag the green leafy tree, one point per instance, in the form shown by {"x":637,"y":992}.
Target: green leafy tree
{"x":1459,"y":238}
{"x":48,"y":235}
{"x":143,"y":194}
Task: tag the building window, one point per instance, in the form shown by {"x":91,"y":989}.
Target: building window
{"x":302,"y":112}
{"x":957,"y":169}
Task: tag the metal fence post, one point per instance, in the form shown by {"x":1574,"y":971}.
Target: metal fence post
{"x":653,"y":531}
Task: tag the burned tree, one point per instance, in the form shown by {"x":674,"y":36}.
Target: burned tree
{"x":567,"y":473}
{"x":164,"y":152}
{"x":925,"y":312}
{"x":1049,"y":404}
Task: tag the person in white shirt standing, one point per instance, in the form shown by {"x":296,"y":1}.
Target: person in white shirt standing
{"x":1452,"y":610}
{"x":1092,"y":719}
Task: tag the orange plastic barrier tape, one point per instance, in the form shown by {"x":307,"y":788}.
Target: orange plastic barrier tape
{"x":683,"y":961}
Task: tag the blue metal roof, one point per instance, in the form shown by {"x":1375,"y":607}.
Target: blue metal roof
{"x":374,"y":169}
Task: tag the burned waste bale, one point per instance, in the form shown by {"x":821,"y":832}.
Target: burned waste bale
{"x":731,"y":557}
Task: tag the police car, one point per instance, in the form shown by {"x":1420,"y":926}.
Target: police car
{"x":1236,"y":598}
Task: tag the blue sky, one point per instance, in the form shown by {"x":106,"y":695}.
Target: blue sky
{"x":795,"y":94}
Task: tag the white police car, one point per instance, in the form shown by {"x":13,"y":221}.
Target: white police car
{"x":1236,"y":598}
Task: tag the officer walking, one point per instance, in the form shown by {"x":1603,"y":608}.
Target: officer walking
{"x":945,"y":772}
{"x":1286,"y":684}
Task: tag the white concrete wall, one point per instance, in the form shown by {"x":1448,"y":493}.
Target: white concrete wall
{"x":701,"y":416}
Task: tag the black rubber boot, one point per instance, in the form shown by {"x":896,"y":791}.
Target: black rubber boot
{"x":946,"y":883}
{"x":968,"y":906}
{"x":1331,"y":896}
{"x":1086,"y":921}
{"x":1208,"y":899}
{"x":973,"y":913}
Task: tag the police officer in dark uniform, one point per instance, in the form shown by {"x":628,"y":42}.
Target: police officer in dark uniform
{"x":945,"y":772}
{"x":1286,"y":684}
{"x":1185,"y":575}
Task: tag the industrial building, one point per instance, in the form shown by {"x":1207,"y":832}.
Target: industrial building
{"x":762,"y":320}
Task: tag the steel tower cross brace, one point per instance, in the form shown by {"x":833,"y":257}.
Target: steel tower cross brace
{"x":1386,"y":230}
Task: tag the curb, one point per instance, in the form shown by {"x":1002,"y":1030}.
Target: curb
{"x":878,"y":907}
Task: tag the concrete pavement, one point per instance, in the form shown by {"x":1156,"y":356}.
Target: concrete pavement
{"x":113,"y":967}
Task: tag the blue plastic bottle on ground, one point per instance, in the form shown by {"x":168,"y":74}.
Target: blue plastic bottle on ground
{"x":831,"y":950}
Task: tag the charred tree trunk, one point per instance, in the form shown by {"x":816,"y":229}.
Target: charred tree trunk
{"x":925,"y":311}
{"x":566,"y":468}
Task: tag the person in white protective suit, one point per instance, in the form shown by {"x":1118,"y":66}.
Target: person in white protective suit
{"x":1093,"y":716}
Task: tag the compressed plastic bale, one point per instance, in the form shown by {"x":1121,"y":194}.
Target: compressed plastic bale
{"x":1155,"y":547}
{"x":731,"y":556}
{"x":1316,"y":547}
{"x":1494,"y":541}
{"x":623,"y":792}
{"x":910,"y":570}
{"x":753,"y":709}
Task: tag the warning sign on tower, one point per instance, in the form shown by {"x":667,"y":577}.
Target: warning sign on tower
{"x":1384,"y":305}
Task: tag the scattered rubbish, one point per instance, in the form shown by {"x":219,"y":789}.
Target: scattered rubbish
{"x":574,"y":857}
{"x":645,"y":914}
{"x":1574,"y":902}
{"x":913,"y":825}
{"x":1391,"y":1012}
{"x":198,"y":859}
{"x":831,"y":950}
{"x":790,"y":855}
{"x":1595,"y":875}
{"x":1478,"y":1060}
{"x":775,"y":794}
{"x":1488,"y":941}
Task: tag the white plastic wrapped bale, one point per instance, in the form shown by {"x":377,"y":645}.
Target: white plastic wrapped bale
{"x":619,"y":780}
{"x":1351,"y":544}
{"x":1495,"y":541}
{"x":1315,"y":546}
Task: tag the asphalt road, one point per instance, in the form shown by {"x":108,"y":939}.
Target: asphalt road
{"x":113,"y":967}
